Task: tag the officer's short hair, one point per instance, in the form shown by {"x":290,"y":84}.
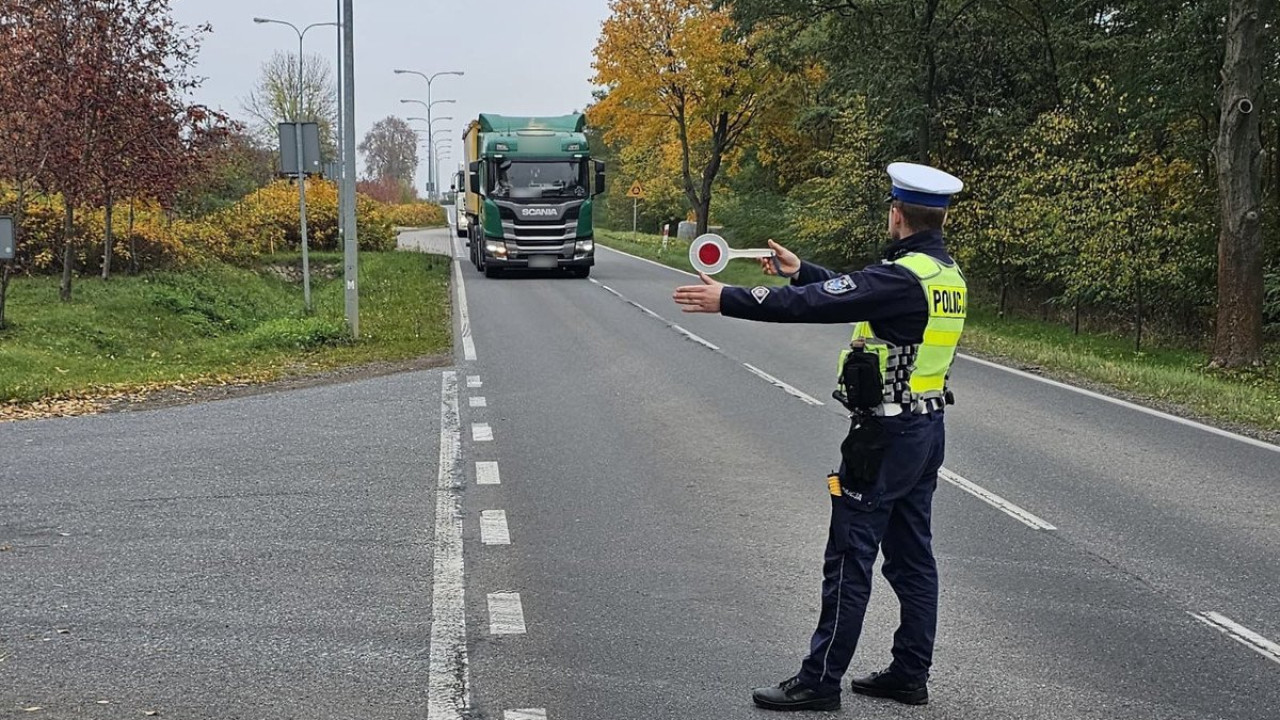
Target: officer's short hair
{"x":921,"y":217}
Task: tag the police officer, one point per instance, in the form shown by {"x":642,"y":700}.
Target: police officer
{"x":908,"y":311}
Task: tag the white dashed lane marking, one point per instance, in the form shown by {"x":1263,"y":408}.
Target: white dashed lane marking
{"x":481,"y":432}
{"x":700,"y":340}
{"x":473,"y":381}
{"x":478,"y":402}
{"x":788,"y":389}
{"x":995,"y":501}
{"x":525,"y":714}
{"x":1240,"y":634}
{"x":487,"y":473}
{"x":493,"y":528}
{"x":506,"y":614}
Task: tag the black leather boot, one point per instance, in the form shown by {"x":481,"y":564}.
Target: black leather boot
{"x":791,"y":694}
{"x":886,"y":684}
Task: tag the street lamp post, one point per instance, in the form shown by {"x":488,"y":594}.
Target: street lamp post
{"x":302,"y":173}
{"x":431,"y":180}
{"x":428,"y":105}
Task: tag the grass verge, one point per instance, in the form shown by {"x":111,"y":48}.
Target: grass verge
{"x":1177,"y":380}
{"x":216,"y":324}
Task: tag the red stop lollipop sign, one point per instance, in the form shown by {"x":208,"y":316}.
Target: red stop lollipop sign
{"x":711,"y":254}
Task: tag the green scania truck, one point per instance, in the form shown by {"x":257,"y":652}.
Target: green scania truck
{"x":530,"y":189}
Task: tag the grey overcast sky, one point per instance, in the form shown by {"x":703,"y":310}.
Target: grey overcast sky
{"x":521,"y":57}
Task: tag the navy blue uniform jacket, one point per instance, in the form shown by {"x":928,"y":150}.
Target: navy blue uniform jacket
{"x":886,"y":295}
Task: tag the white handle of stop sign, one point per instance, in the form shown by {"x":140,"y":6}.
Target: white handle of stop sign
{"x":711,"y":254}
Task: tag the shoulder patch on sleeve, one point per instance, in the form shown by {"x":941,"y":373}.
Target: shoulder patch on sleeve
{"x":760,"y":293}
{"x":840,"y":285}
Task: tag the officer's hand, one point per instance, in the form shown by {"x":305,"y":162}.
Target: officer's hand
{"x":789,"y":261}
{"x":704,"y":298}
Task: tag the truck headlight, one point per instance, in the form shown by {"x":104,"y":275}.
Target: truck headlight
{"x":584,"y":246}
{"x":495,"y":249}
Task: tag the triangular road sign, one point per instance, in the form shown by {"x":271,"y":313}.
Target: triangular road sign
{"x":636,"y":191}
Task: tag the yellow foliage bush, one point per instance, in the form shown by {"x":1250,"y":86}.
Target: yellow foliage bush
{"x":419,"y":214}
{"x":265,"y":221}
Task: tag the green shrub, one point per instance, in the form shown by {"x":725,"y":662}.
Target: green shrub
{"x":307,"y":333}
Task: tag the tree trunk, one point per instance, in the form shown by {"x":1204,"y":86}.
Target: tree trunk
{"x":928,"y":91}
{"x":1137,"y":296}
{"x":17,"y":237}
{"x":1238,"y":337}
{"x":133,"y":243}
{"x":109,"y":240}
{"x":4,"y":291}
{"x":68,"y":230}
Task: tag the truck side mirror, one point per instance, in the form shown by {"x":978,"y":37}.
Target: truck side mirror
{"x":600,"y":184}
{"x":473,"y":173}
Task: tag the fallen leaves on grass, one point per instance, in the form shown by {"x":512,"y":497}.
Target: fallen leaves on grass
{"x":101,"y":398}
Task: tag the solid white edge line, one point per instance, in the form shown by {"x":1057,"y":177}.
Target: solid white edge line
{"x":1008,"y":508}
{"x":464,"y":317}
{"x":1240,"y":634}
{"x":493,"y":527}
{"x":481,"y":432}
{"x":525,"y":714}
{"x":1126,"y":404}
{"x":487,"y":473}
{"x":646,"y":260}
{"x":1061,"y":385}
{"x":506,"y":614}
{"x":447,"y":672}
{"x":478,"y":402}
{"x":790,"y":390}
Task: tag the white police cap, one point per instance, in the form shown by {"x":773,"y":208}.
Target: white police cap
{"x":923,"y":185}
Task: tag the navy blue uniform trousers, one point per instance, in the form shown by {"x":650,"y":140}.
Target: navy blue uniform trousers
{"x":894,"y":514}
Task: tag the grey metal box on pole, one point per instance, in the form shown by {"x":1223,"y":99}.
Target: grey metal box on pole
{"x":289,"y":149}
{"x":8,"y":249}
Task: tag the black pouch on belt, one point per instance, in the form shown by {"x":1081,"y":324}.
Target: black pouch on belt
{"x":860,"y":380}
{"x":863,"y":451}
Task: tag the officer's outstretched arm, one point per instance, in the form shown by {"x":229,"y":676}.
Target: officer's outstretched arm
{"x":871,"y":294}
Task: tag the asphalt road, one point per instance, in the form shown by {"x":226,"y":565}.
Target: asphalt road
{"x":606,"y":510}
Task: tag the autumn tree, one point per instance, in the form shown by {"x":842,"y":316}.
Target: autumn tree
{"x":104,"y":83}
{"x":681,"y":80}
{"x":390,"y":151}
{"x":274,"y":99}
{"x":234,"y":165}
{"x":24,"y":148}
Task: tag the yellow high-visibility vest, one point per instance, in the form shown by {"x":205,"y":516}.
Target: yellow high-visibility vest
{"x":916,"y":375}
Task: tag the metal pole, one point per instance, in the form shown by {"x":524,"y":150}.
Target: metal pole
{"x":349,"y":248}
{"x":339,"y":149}
{"x":635,"y":215}
{"x":302,"y":188}
{"x":431,"y":183}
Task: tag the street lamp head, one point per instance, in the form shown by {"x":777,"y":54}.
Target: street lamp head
{"x":261,"y":20}
{"x":400,"y":72}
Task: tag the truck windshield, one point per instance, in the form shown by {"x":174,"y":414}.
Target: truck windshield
{"x":538,"y":179}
